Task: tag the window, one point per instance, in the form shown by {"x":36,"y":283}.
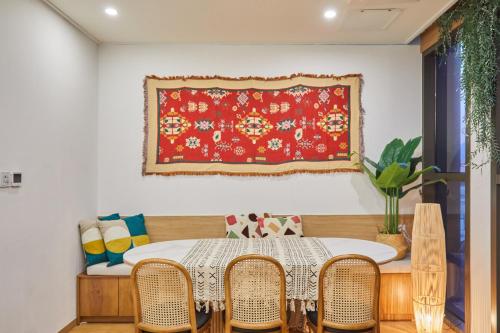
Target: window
{"x":445,"y":145}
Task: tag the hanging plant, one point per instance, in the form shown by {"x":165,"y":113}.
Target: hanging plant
{"x":477,"y":36}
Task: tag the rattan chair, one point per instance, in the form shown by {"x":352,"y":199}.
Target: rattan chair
{"x":163,"y":299}
{"x":348,"y":297}
{"x":255,"y":295}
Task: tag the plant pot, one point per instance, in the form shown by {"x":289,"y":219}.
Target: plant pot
{"x":397,"y":241}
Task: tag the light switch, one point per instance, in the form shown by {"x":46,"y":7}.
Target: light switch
{"x":5,"y":179}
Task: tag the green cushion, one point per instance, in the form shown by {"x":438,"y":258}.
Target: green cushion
{"x":136,"y":226}
{"x":111,"y":217}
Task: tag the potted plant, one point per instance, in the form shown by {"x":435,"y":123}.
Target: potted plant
{"x":393,"y":176}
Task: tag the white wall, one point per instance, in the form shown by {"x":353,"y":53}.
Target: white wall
{"x":391,"y":97}
{"x":48,"y":118}
{"x":480,"y":247}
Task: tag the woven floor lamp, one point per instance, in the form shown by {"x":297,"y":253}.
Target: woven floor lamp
{"x":428,"y":268}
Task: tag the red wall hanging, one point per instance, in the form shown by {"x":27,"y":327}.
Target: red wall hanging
{"x":252,"y":126}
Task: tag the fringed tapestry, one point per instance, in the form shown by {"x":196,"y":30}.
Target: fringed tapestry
{"x":252,"y":126}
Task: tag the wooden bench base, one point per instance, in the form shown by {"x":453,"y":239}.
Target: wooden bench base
{"x":104,"y":299}
{"x":108,"y":299}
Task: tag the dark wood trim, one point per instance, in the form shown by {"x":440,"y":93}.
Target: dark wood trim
{"x":431,"y":36}
{"x":448,"y":176}
{"x":428,"y":116}
{"x":66,"y":329}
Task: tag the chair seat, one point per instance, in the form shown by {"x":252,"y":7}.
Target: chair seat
{"x":202,"y":319}
{"x":246,"y":330}
{"x":312,"y":316}
{"x":243,"y":330}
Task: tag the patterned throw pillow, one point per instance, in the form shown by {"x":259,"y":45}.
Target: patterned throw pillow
{"x":92,"y":242}
{"x":243,"y":225}
{"x":117,"y":240}
{"x":281,"y":226}
{"x":136,"y":226}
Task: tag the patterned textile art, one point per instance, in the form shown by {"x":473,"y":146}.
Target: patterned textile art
{"x":301,"y":258}
{"x":252,"y":126}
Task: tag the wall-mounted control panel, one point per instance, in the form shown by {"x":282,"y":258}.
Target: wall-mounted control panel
{"x":11,"y":179}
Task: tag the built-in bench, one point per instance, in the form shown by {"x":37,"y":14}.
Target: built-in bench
{"x":104,"y":293}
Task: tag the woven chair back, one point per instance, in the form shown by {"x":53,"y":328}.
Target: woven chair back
{"x":349,"y":293}
{"x":255,"y":291}
{"x":163,"y":295}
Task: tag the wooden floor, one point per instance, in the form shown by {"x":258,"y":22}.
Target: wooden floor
{"x":386,"y":327}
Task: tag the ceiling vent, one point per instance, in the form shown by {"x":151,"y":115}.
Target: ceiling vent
{"x":370,"y":19}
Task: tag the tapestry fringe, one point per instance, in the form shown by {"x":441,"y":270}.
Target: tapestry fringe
{"x":361,"y":123}
{"x":259,"y":78}
{"x":245,"y":174}
{"x":216,"y":306}
{"x":145,"y":129}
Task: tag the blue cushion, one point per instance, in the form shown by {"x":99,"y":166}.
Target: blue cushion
{"x":111,"y":217}
{"x":202,"y":318}
{"x":136,"y":226}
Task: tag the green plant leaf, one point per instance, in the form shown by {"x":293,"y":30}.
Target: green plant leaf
{"x":430,"y":182}
{"x":390,"y":153}
{"x":373,"y":179}
{"x":406,"y":153}
{"x":418,"y":173}
{"x":413,"y":164}
{"x":393,"y":176}
{"x":373,"y":164}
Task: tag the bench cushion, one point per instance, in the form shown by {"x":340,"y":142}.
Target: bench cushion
{"x":397,"y":266}
{"x":103,"y":269}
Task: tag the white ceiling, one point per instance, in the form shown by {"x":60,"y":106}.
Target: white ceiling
{"x":253,"y":21}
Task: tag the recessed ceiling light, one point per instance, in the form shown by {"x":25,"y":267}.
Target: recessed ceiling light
{"x":330,"y":14}
{"x":111,"y":11}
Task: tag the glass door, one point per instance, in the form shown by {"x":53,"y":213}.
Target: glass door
{"x":445,"y":144}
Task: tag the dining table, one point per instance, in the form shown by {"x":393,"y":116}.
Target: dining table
{"x":301,"y":258}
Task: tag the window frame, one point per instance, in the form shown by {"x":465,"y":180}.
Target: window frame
{"x":428,"y":193}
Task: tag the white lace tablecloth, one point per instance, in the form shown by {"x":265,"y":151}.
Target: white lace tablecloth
{"x":301,"y":258}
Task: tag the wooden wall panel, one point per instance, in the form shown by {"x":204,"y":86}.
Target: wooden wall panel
{"x":164,"y":228}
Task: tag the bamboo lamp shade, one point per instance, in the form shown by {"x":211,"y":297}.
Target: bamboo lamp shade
{"x":428,"y":268}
